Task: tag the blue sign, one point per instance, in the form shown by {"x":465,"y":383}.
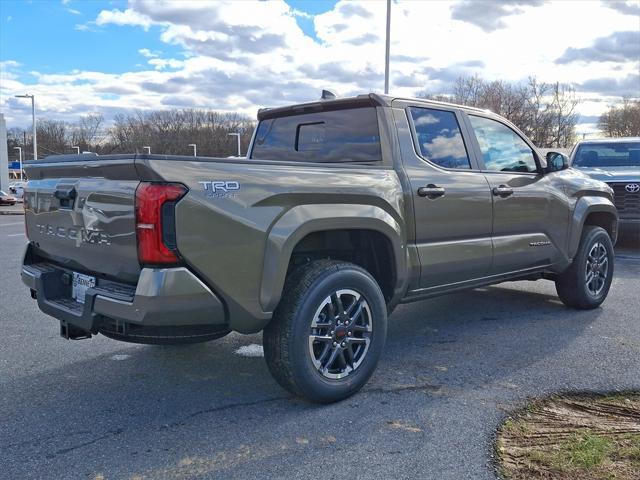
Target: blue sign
{"x":14,"y":165}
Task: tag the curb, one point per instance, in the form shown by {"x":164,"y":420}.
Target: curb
{"x":11,"y":213}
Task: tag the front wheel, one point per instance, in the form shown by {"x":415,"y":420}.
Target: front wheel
{"x":585,"y":284}
{"x":328,"y":332}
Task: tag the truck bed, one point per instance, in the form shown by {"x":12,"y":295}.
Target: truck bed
{"x":80,"y":214}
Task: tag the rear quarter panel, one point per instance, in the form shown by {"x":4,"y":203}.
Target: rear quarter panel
{"x":239,"y":241}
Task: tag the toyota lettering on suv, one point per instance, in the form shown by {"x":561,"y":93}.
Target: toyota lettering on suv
{"x":343,"y":209}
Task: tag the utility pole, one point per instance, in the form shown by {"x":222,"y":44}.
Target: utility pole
{"x":386,"y":57}
{"x":33,"y":118}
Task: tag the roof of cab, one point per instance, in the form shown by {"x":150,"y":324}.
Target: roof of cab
{"x":369,"y":99}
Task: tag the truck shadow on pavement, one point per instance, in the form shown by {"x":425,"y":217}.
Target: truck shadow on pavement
{"x":440,"y":348}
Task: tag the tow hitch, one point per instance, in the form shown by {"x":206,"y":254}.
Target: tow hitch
{"x":71,"y":332}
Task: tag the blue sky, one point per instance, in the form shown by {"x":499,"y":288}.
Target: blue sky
{"x":110,"y":57}
{"x":43,"y":35}
{"x":28,"y":26}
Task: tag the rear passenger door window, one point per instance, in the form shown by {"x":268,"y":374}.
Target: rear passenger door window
{"x":503,"y":150}
{"x":439,"y":137}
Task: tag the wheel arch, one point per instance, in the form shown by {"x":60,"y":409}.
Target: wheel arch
{"x":596,"y":211}
{"x":301,"y":223}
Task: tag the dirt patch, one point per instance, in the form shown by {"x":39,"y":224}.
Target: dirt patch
{"x":582,"y":436}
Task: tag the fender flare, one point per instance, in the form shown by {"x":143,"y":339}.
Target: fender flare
{"x":584,"y":207}
{"x":302,"y":220}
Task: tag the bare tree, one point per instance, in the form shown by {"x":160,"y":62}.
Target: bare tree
{"x":84,"y":134}
{"x":171,"y":132}
{"x":165,"y":131}
{"x":52,"y":136}
{"x":468,"y":90}
{"x":546,"y":113}
{"x":622,"y":120}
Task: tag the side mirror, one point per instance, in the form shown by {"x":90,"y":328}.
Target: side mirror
{"x":557,"y":161}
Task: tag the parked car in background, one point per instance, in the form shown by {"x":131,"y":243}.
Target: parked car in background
{"x":615,"y":161}
{"x":6,"y":199}
{"x":17,"y":189}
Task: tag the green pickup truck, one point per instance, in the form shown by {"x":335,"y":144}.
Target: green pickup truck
{"x":342,"y":209}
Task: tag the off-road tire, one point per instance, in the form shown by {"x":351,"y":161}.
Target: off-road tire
{"x":571,"y":284}
{"x":286,"y":337}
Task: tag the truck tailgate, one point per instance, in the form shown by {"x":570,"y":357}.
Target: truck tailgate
{"x":82,"y":215}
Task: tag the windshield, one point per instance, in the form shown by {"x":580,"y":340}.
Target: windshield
{"x":625,"y":154}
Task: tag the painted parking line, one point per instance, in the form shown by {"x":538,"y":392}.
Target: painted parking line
{"x":16,"y":235}
{"x":10,"y":224}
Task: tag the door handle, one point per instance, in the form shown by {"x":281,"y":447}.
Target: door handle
{"x":502,"y":191}
{"x":431,"y":191}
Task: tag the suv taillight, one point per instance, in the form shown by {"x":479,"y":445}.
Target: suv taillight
{"x":155,"y":222}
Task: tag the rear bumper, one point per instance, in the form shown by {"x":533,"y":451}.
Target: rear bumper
{"x":164,"y":299}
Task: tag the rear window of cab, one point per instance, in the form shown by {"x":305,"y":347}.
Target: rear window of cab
{"x":336,"y":136}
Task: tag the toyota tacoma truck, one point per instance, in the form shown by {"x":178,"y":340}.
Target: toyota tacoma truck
{"x":342,"y":210}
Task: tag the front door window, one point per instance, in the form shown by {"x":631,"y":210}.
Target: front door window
{"x":503,"y":150}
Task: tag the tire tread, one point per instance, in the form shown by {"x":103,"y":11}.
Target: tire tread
{"x":277,"y":336}
{"x":567,"y":283}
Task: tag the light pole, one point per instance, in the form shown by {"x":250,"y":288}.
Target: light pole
{"x":77,"y":149}
{"x":148,"y":150}
{"x":386,"y":56}
{"x":193,"y":145}
{"x":237,"y":134}
{"x":19,"y":158}
{"x":33,"y":116}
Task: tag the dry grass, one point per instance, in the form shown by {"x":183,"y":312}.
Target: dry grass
{"x":585,"y":437}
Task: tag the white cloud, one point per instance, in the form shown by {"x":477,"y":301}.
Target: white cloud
{"x":145,"y":52}
{"x":246,"y":55}
{"x":9,"y":64}
{"x":160,"y":63}
{"x":426,"y":119}
{"x":299,"y":13}
{"x":446,"y":147}
{"x":119,"y":17}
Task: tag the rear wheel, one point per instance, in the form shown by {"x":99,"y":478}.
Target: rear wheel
{"x":585,"y":284}
{"x":328,"y":331}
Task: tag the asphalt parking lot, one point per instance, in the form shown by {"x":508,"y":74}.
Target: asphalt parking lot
{"x":452,"y":370}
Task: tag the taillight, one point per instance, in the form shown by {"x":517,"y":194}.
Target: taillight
{"x":155,"y":222}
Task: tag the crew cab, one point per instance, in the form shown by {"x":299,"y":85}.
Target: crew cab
{"x":342,"y":210}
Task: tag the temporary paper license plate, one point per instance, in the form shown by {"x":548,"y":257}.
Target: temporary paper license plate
{"x":80,"y":285}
